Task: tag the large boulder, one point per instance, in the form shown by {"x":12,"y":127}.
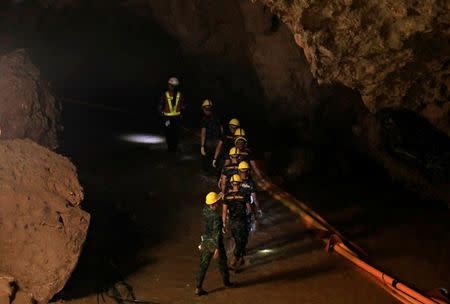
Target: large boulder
{"x":27,"y":108}
{"x":42,"y":227}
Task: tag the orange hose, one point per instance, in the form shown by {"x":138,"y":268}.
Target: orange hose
{"x":311,"y":219}
{"x":381,"y":276}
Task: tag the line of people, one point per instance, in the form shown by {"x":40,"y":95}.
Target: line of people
{"x":227,"y":153}
{"x":234,"y":209}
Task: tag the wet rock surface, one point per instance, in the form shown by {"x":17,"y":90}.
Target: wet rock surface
{"x":27,"y":108}
{"x":395,"y":53}
{"x":42,"y":227}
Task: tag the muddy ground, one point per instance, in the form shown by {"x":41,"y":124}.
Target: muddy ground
{"x":146,"y":223}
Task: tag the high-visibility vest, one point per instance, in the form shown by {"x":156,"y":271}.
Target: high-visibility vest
{"x":169,"y":108}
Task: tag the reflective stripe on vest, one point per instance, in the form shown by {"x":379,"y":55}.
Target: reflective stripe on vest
{"x":172,"y":109}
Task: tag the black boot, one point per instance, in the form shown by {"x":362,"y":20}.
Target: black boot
{"x":229,"y":284}
{"x":200,"y":291}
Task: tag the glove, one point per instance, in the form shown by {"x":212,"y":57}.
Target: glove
{"x":202,"y":151}
{"x":167,"y":123}
{"x":214,"y":164}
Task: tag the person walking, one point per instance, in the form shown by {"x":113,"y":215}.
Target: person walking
{"x":248,"y":186}
{"x":225,"y":144}
{"x":245,"y":153}
{"x":229,"y":169}
{"x":212,"y":243}
{"x":236,"y":208}
{"x":211,"y":133}
{"x":171,"y":107}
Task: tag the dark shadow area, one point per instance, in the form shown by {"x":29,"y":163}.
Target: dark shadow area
{"x":296,"y":274}
{"x":122,"y":195}
{"x":414,"y":141}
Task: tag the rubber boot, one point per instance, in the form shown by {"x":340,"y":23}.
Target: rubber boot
{"x":200,"y":292}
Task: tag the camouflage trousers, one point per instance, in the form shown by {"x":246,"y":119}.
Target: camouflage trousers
{"x":205,"y":260}
{"x":239,"y":232}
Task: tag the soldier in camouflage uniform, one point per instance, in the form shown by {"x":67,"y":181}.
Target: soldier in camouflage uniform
{"x":237,"y":206}
{"x":212,"y":244}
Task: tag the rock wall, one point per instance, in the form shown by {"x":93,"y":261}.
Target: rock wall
{"x":42,"y":227}
{"x":290,"y":89}
{"x":356,"y":59}
{"x":394,"y":52}
{"x":27,"y":108}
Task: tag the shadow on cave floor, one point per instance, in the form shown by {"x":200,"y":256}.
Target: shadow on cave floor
{"x":128,"y":206}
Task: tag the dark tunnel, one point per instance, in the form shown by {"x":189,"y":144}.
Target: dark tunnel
{"x":320,"y":120}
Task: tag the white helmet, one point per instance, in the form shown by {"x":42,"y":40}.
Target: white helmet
{"x":173,"y":81}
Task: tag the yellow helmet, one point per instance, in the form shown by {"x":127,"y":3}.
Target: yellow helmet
{"x":243,"y":165}
{"x":234,"y":122}
{"x":239,"y":132}
{"x":236,"y":179}
{"x":212,"y":198}
{"x":239,"y":138}
{"x":207,"y":103}
{"x":234,"y":151}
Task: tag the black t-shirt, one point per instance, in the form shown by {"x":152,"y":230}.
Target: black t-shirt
{"x":229,"y":171}
{"x":237,"y":205}
{"x":228,"y":143}
{"x":212,"y":126}
{"x":246,"y":155}
{"x":248,"y":186}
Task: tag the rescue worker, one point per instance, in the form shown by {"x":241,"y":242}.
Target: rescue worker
{"x":229,"y":169}
{"x":171,"y":107}
{"x":226,"y":143}
{"x":211,"y":133}
{"x":248,"y":186}
{"x":236,"y":207}
{"x":239,"y":132}
{"x":245,"y":154}
{"x":212,"y":243}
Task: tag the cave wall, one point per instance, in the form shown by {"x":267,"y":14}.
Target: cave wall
{"x":316,"y":70}
{"x":247,"y":62}
{"x":237,"y":53}
{"x":393,"y":52}
{"x":28,"y":108}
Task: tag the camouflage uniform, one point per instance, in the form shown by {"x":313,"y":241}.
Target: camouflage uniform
{"x":212,"y":240}
{"x":237,"y":220}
